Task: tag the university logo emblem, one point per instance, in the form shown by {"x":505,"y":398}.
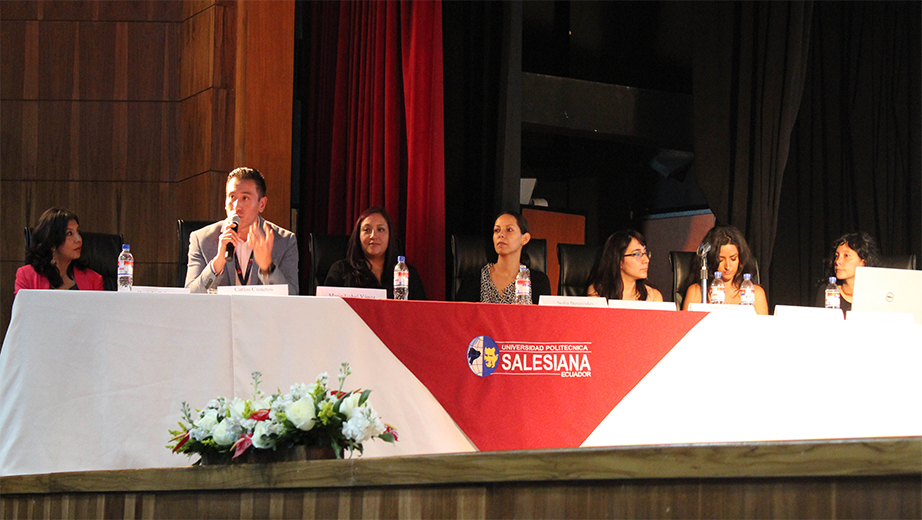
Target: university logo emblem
{"x":482,"y":355}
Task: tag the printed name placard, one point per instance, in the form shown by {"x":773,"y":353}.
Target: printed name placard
{"x":572,"y":301}
{"x":722,"y":307}
{"x":162,"y":290}
{"x":260,"y":290}
{"x":643,"y":305}
{"x":352,"y":292}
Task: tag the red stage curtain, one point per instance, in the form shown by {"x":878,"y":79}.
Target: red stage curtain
{"x":378,"y":137}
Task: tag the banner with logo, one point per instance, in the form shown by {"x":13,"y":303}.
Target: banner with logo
{"x":525,"y":377}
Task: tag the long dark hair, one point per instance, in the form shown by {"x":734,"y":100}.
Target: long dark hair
{"x":859,"y":242}
{"x":360,"y":274}
{"x":606,"y":275}
{"x":718,"y":237}
{"x":50,"y":233}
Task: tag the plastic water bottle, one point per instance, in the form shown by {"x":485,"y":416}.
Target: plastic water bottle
{"x":401,"y":279}
{"x":523,"y":286}
{"x":125,"y":269}
{"x":718,"y":294}
{"x":747,"y":291}
{"x":832,"y":294}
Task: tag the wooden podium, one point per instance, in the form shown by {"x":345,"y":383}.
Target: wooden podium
{"x":865,"y":478}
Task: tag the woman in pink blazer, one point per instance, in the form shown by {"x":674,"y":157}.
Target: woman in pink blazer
{"x":53,"y":261}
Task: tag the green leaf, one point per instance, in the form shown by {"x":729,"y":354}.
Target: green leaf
{"x":364,"y":397}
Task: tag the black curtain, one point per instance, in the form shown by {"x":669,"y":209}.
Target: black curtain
{"x":855,"y":150}
{"x":472,"y":34}
{"x":749,"y":67}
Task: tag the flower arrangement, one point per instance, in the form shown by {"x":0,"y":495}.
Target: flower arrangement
{"x":309,"y":415}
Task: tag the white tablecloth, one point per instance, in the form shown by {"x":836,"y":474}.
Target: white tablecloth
{"x":93,"y":380}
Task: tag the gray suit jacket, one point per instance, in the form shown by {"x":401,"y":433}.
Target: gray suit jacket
{"x":203,"y":247}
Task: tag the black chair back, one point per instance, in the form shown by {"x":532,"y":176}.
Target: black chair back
{"x":535,"y":254}
{"x":576,"y":263}
{"x":100,"y":253}
{"x":468,"y":256}
{"x":899,"y":262}
{"x":184,"y":228}
{"x":684,"y":263}
{"x":325,"y":251}
{"x":469,"y":253}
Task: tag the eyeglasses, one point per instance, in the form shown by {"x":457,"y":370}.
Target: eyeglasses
{"x":639,"y":254}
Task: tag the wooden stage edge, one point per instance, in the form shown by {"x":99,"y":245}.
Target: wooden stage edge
{"x":791,"y":459}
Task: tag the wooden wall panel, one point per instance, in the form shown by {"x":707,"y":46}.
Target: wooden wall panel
{"x":196,"y":124}
{"x":151,"y":142}
{"x":90,"y":140}
{"x":201,"y":197}
{"x":57,"y":48}
{"x":125,"y":112}
{"x":265,"y":83}
{"x":19,"y":10}
{"x":12,"y":59}
{"x":101,"y":50}
{"x":121,"y":10}
{"x":198,"y":56}
{"x":11,"y":142}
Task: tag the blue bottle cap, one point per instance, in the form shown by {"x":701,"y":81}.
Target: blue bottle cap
{"x":832,"y":279}
{"x":125,"y":246}
{"x":401,"y":259}
{"x":747,"y":276}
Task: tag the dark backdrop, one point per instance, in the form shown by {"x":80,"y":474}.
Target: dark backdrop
{"x":855,"y":150}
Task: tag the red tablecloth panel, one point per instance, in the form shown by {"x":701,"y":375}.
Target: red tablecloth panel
{"x":548,"y":375}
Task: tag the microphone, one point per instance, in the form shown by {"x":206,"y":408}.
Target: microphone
{"x":234,"y":221}
{"x":703,"y":250}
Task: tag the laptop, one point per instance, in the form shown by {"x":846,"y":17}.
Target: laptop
{"x":878,"y":289}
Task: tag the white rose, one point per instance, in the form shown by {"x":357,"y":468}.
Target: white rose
{"x":301,"y":413}
{"x":262,"y":404}
{"x":208,"y":421}
{"x":237,"y":407}
{"x":259,"y":436}
{"x":226,"y":432}
{"x":349,"y":404}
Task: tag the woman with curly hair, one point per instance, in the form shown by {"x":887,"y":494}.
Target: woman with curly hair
{"x":53,"y":260}
{"x":849,"y":251}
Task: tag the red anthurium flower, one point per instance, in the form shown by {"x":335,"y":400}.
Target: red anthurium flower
{"x":244,"y":442}
{"x":391,"y":431}
{"x":185,"y":439}
{"x":260,"y":415}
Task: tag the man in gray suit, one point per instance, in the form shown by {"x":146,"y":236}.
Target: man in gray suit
{"x":261,"y":253}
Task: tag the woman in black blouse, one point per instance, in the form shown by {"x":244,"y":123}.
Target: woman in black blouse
{"x":849,"y":252}
{"x":371,"y":257}
{"x":496,"y":283}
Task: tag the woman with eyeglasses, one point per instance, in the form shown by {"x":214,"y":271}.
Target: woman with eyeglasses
{"x":621,"y":273}
{"x":729,"y":254}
